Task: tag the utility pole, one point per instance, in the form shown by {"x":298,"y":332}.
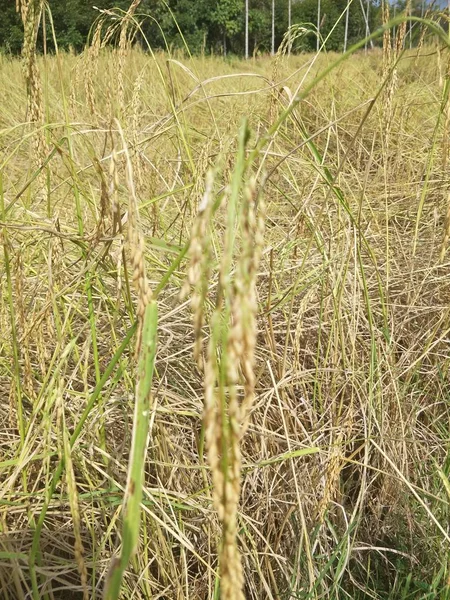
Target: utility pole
{"x":289,"y":25}
{"x":318,"y":26}
{"x":246,"y":29}
{"x":367,"y":22}
{"x":346,"y":25}
{"x":366,"y":18}
{"x":273,"y":27}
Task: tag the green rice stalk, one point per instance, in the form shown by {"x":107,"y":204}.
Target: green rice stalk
{"x":132,"y":502}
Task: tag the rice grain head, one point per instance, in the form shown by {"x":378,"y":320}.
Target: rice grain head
{"x":123,"y":50}
{"x":135,"y":241}
{"x":229,"y":361}
{"x":198,"y":273}
{"x":31,"y":13}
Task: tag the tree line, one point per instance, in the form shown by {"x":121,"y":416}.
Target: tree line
{"x":243,"y":27}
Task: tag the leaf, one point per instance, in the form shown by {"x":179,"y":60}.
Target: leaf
{"x":133,"y":493}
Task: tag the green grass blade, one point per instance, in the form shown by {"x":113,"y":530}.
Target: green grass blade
{"x":132,"y":502}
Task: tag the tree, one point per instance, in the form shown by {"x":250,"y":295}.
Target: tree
{"x":192,"y":18}
{"x":332,"y":12}
{"x":11,"y":29}
{"x":240,"y":26}
{"x":260,"y":27}
{"x":226,"y":16}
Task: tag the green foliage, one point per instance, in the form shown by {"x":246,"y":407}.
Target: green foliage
{"x":204,"y":24}
{"x":226,"y":14}
{"x":331,"y":11}
{"x":11,"y":33}
{"x":259,"y":27}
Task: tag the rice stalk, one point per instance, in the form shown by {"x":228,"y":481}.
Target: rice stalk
{"x":123,"y":49}
{"x":390,"y":70}
{"x":352,"y":347}
{"x":135,"y":480}
{"x":198,"y":274}
{"x":147,"y":317}
{"x":91,"y":73}
{"x":230,"y":352}
{"x":31,"y":13}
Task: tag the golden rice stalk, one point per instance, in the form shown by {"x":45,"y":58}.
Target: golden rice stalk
{"x":31,"y":12}
{"x":273,"y":99}
{"x":105,"y":203}
{"x":123,"y":49}
{"x":200,"y":266}
{"x":253,"y":240}
{"x":222,"y":434}
{"x":147,"y":314}
{"x":401,"y":31}
{"x":335,"y":464}
{"x":202,"y":161}
{"x":113,"y":193}
{"x":332,"y":476}
{"x":420,"y":44}
{"x":230,"y":354}
{"x":136,"y":243}
{"x":119,"y":255}
{"x":239,"y":356}
{"x":21,"y":7}
{"x":389,"y":69}
{"x":295,"y":32}
{"x":76,"y":78}
{"x":136,"y":128}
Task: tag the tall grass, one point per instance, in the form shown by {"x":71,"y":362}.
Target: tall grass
{"x":288,"y":435}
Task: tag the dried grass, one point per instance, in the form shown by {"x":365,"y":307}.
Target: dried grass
{"x":320,"y":368}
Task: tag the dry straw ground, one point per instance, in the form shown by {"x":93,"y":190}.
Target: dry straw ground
{"x":318,"y":398}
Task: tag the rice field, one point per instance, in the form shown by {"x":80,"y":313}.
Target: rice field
{"x":225,"y":318}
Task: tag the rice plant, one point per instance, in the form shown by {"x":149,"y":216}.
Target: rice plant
{"x":225,"y":318}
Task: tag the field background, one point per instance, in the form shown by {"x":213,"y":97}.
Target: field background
{"x":345,"y":463}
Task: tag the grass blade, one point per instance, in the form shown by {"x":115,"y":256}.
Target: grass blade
{"x":132,"y":502}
